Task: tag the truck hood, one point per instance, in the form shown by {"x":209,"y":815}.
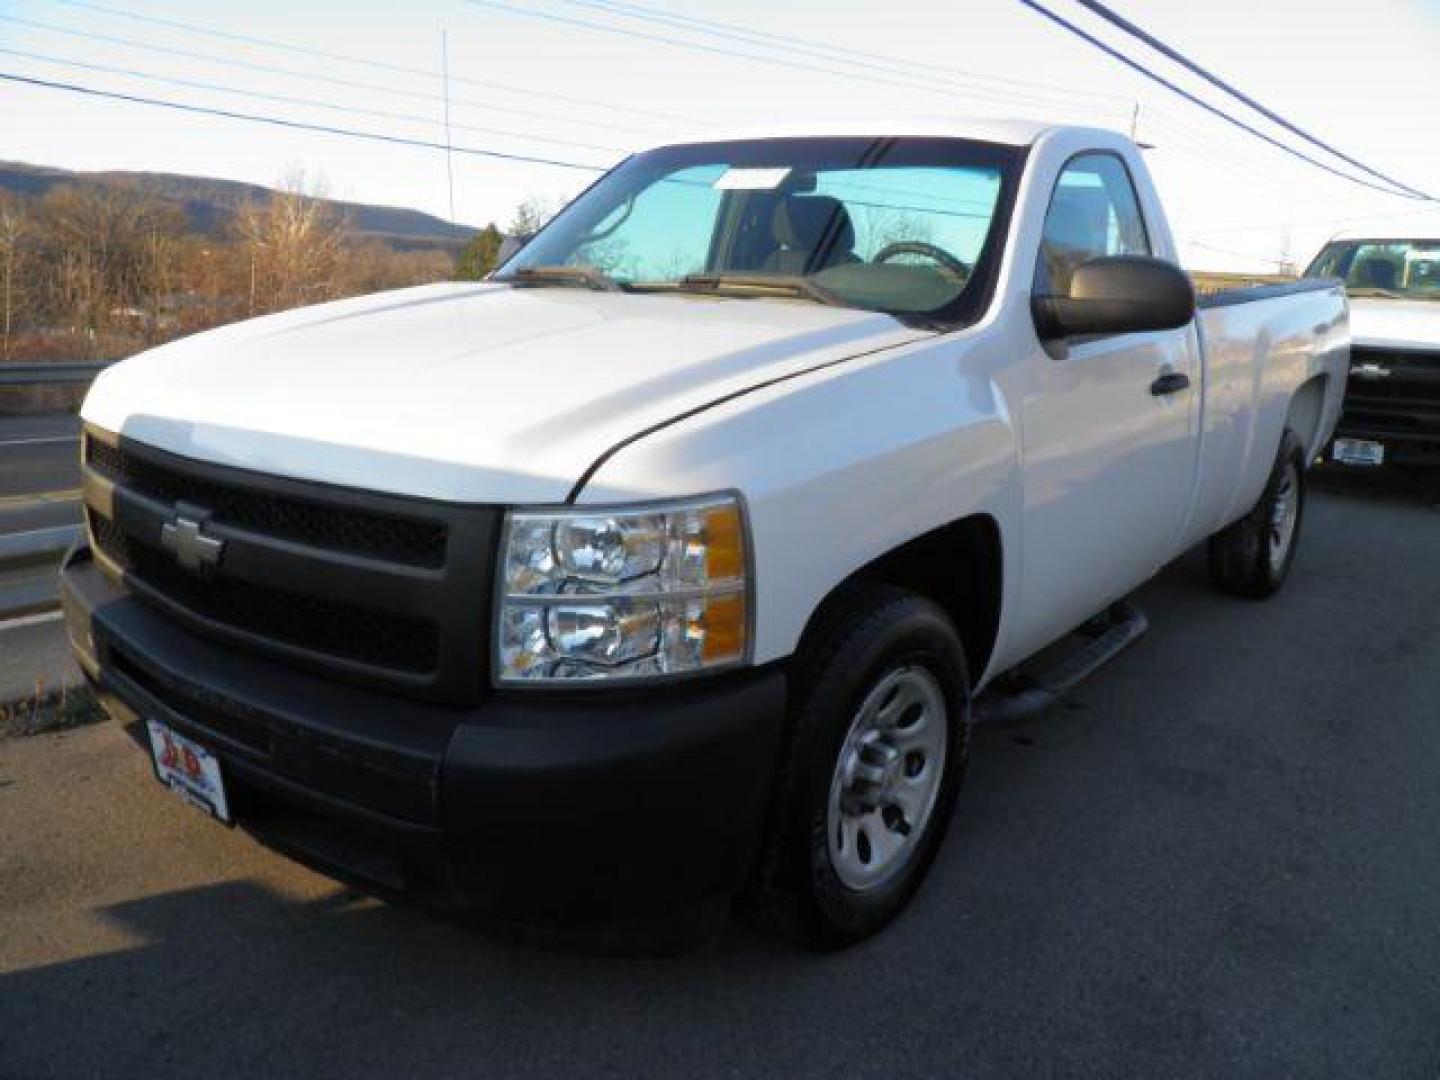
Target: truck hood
{"x":468,"y":393}
{"x":1395,"y":324}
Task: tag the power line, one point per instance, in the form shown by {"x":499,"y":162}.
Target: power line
{"x":1203,"y":147}
{"x":298,"y":125}
{"x":1233,"y":254}
{"x":271,"y":69}
{"x":1135,"y":65}
{"x":1225,"y":145}
{"x":1198,"y":145}
{"x":825,"y":51}
{"x":1214,"y":80}
{"x":844,"y":51}
{"x":380,"y":65}
{"x":354,"y":134}
{"x":774,"y":61}
{"x":1333,"y":221}
{"x":753,"y":37}
{"x":285,"y":99}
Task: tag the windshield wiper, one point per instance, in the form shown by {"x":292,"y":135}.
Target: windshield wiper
{"x":1367,"y":291}
{"x":758,"y":285}
{"x":587,"y":276}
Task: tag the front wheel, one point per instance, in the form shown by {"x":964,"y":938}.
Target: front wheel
{"x":880,"y":713}
{"x":1253,"y":556}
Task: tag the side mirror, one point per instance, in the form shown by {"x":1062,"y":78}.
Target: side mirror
{"x":1117,"y":294}
{"x":510,"y":246}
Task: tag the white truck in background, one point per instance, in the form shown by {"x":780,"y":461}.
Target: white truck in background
{"x":666,"y":566}
{"x":1392,"y":407}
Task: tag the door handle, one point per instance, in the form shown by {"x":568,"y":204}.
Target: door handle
{"x":1172,"y":382}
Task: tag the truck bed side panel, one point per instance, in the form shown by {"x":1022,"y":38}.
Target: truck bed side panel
{"x":1258,"y":353}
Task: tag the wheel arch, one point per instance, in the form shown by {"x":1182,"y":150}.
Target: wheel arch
{"x":960,"y":566}
{"x":1306,"y":411}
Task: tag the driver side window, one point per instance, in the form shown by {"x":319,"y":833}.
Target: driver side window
{"x":1093,"y":212}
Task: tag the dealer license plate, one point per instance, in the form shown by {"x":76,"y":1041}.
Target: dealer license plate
{"x":189,"y":770}
{"x":1359,"y":452}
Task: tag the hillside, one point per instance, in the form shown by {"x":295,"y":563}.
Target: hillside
{"x":210,"y":204}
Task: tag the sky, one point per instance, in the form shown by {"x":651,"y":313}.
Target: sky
{"x":588,"y":81}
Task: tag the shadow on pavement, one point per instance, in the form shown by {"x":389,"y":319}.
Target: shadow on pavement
{"x":1384,"y":484}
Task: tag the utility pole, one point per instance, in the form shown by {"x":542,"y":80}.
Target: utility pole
{"x":449,"y":156}
{"x":1287,"y":259}
{"x":1135,"y":124}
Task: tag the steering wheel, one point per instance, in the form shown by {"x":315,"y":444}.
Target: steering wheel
{"x":929,"y":251}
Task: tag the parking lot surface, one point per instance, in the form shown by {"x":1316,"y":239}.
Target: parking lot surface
{"x":1221,"y":858}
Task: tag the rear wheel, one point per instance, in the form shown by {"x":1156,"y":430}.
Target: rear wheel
{"x":880,"y":711}
{"x":1253,"y":556}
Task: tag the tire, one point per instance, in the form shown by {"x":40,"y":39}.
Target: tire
{"x":1252,"y":557}
{"x":893,"y":656}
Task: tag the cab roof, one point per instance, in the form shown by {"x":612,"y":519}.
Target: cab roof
{"x":1427,"y":228}
{"x":1004,"y":132}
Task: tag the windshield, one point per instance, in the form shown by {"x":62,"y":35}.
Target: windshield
{"x":1395,"y":269}
{"x":906,"y":226}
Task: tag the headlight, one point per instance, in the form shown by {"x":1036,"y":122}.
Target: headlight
{"x":622,"y":593}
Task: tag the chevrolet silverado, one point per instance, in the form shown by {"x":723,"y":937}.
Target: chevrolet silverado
{"x":671,"y":564}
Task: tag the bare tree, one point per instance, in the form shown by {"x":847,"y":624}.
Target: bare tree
{"x":294,"y":241}
{"x":13,"y":231}
{"x":879,"y":226}
{"x":100,"y":267}
{"x":159,"y":273}
{"x":372,"y":265}
{"x":532,"y":215}
{"x":99,"y":243}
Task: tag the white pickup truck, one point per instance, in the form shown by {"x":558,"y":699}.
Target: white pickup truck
{"x":1392,"y":407}
{"x":665,"y":566}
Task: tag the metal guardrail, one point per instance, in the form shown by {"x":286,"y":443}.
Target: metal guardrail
{"x":37,"y":547}
{"x":30,"y":561}
{"x":66,"y":374}
{"x":29,"y":565}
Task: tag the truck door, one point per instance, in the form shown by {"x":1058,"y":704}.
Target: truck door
{"x":1108,"y":450}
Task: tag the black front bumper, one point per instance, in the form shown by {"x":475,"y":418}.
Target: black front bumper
{"x":1393,"y":397}
{"x":566,"y":809}
{"x":1409,"y":438}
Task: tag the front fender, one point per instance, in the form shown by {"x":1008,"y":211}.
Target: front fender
{"x":839,"y":467}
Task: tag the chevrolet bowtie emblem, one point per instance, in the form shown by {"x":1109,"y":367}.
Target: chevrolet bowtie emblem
{"x":184,"y":537}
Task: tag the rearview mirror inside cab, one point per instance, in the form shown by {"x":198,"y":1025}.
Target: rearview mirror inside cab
{"x":1117,"y":294}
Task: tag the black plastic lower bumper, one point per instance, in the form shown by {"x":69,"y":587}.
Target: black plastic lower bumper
{"x":1397,"y":405}
{"x":568,"y":809}
{"x":1418,"y":447}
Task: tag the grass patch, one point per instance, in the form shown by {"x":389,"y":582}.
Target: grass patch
{"x":55,"y":710}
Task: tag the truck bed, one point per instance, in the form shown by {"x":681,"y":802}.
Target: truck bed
{"x":1222,"y":290}
{"x":1260,"y":343}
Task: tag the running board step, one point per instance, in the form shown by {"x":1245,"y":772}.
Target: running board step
{"x":1022,"y":697}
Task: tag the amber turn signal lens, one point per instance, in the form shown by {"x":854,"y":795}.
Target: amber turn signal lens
{"x":723,"y":629}
{"x":724,"y":543}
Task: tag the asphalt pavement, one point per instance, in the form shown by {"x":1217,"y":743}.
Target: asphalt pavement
{"x":1222,"y":858}
{"x":34,"y":659}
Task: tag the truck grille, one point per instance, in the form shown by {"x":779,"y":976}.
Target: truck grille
{"x":290,"y":618}
{"x":1393,"y":392}
{"x":421,"y":543}
{"x":367,"y":587}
